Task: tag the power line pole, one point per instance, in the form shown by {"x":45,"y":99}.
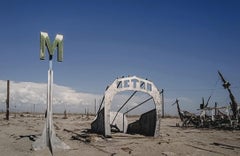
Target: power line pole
{"x":7,"y":101}
{"x":162,"y":92}
{"x":95,"y":107}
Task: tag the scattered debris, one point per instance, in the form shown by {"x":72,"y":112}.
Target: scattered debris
{"x":225,"y":145}
{"x":56,"y":126}
{"x":86,"y":138}
{"x":31,"y":137}
{"x":80,"y":138}
{"x":197,"y":147}
{"x":187,"y":118}
{"x":114,"y":128}
{"x":227,"y":117}
{"x":127,"y":149}
{"x":168,"y":153}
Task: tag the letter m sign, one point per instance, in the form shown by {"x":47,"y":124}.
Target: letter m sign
{"x":57,"y":43}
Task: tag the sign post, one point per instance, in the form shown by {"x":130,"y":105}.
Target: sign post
{"x":49,"y":138}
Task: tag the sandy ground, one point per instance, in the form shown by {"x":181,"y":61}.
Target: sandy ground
{"x":172,"y":141}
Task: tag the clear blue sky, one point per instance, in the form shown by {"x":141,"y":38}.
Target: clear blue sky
{"x":179,"y":45}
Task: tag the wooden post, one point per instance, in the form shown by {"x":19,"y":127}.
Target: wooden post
{"x":65,"y":114}
{"x":162,"y":103}
{"x":7,"y":101}
{"x":95,"y":107}
{"x":87,"y":113}
{"x":215,"y":108}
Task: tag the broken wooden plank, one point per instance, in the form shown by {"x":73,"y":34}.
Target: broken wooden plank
{"x":225,"y":145}
{"x":205,"y":149}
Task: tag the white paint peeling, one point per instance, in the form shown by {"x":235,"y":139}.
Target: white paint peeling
{"x":44,"y":34}
{"x":59,"y":37}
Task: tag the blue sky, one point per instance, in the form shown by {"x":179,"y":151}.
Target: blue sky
{"x":179,"y":45}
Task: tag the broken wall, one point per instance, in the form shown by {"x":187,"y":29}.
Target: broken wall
{"x":145,"y":125}
{"x":120,"y":122}
{"x":98,"y":124}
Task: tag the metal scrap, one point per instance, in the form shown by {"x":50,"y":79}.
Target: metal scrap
{"x":227,"y":117}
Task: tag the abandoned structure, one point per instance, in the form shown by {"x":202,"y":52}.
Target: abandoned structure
{"x":149,"y":122}
{"x":213,"y":117}
{"x":48,"y":138}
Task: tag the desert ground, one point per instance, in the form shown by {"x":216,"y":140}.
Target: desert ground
{"x":18,"y":134}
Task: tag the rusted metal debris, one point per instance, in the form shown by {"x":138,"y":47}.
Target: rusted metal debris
{"x":187,"y":118}
{"x":233,"y":103}
{"x":86,"y":138}
{"x":31,"y":137}
{"x":227,"y":117}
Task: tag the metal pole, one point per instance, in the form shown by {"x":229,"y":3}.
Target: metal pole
{"x":162,"y":92}
{"x":215,"y":108}
{"x":7,"y":101}
{"x":95,"y":107}
{"x":123,"y":105}
{"x":49,"y":106}
{"x":138,"y":105}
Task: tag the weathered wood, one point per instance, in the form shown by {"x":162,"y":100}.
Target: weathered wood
{"x":162,"y":92}
{"x":204,"y":149}
{"x":31,"y":137}
{"x":225,"y":145}
{"x":7,"y":101}
{"x":233,"y":103}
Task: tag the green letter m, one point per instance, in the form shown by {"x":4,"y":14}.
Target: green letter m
{"x":45,"y":41}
